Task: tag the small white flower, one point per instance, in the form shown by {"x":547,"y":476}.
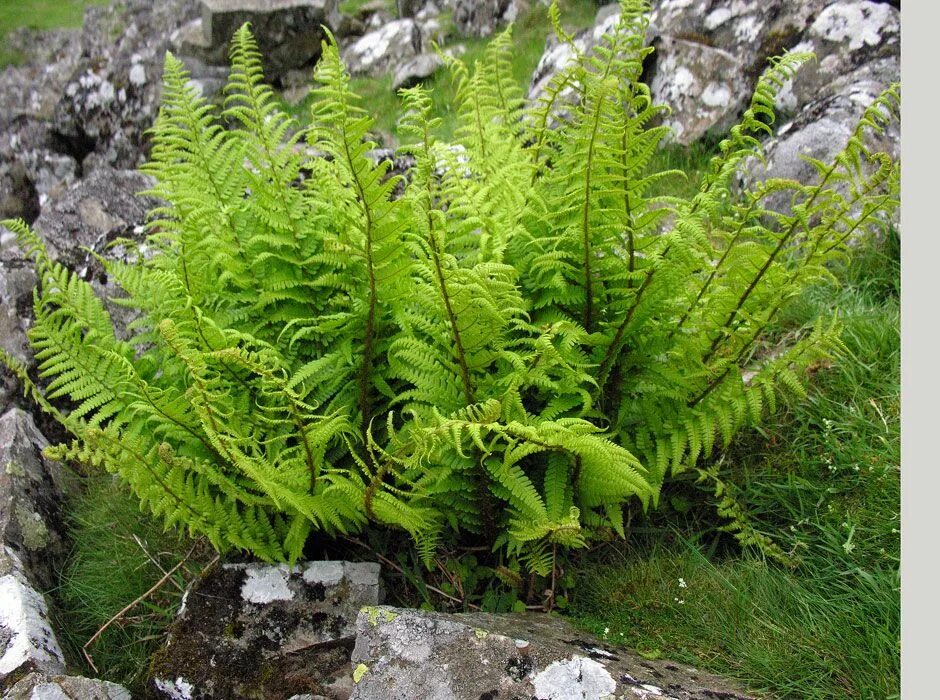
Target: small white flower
{"x":682,"y":583}
{"x":606,"y":631}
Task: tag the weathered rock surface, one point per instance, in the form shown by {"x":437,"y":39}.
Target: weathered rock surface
{"x":32,"y":156}
{"x":264,"y":631}
{"x":703,"y":86}
{"x":27,"y":642}
{"x":415,"y":654}
{"x":751,"y":31}
{"x":17,"y":281}
{"x":478,"y":18}
{"x":102,"y":207}
{"x":113,"y":94}
{"x":288,"y":32}
{"x":414,"y":70}
{"x":32,"y":491}
{"x":383,"y":49}
{"x":558,"y":56}
{"x":38,"y":686}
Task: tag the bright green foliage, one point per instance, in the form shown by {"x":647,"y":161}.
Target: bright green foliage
{"x":514,"y":348}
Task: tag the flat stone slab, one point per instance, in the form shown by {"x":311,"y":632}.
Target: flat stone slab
{"x":37,"y":686}
{"x":266,"y":631}
{"x":415,"y":654}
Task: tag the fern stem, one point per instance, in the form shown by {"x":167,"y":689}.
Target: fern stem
{"x":364,"y":380}
{"x":765,"y":267}
{"x":451,"y":316}
{"x":711,"y":277}
{"x":586,"y":223}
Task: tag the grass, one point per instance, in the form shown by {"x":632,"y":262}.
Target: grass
{"x":823,"y":481}
{"x":38,"y":14}
{"x":118,"y":554}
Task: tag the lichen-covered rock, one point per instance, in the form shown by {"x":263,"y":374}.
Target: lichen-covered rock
{"x":416,"y":654}
{"x":479,"y":18}
{"x":822,"y":128}
{"x":31,"y":151}
{"x":703,"y":87}
{"x":266,"y":631}
{"x":32,"y":491}
{"x":32,"y":88}
{"x":382,"y":50}
{"x":17,"y":281}
{"x":113,"y":94}
{"x":27,"y":642}
{"x":100,"y":208}
{"x":751,"y":31}
{"x":37,"y":686}
{"x":846,"y":36}
{"x":558,"y":56}
{"x":416,"y":69}
{"x":288,"y":32}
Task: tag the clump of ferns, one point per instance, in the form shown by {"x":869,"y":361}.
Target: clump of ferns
{"x":511,"y":352}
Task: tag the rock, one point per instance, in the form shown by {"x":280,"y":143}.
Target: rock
{"x":209,"y":79}
{"x":479,"y":18}
{"x":845,"y":37}
{"x":704,"y":88}
{"x":112,"y":96}
{"x":408,"y":8}
{"x":38,"y":686}
{"x":27,"y":642}
{"x":32,"y":89}
{"x":32,"y":491}
{"x":18,"y":196}
{"x":416,"y":69}
{"x":384,"y":49}
{"x":822,"y":129}
{"x":31,"y":151}
{"x":102,"y":207}
{"x":17,"y":281}
{"x":750,"y":31}
{"x":288,"y":32}
{"x":558,"y":56}
{"x":416,"y":654}
{"x":266,"y":631}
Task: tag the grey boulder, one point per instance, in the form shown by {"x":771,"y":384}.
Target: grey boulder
{"x":266,"y":631}
{"x":37,"y":686}
{"x":383,"y":50}
{"x":415,"y":654}
{"x":288,"y":32}
{"x":703,"y":87}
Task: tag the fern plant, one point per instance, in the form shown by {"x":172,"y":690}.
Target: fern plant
{"x":514,"y":350}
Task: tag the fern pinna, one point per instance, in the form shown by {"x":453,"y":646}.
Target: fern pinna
{"x":514,"y":349}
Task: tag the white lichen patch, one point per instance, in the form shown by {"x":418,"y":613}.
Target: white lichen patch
{"x":180,"y":689}
{"x":24,"y":615}
{"x":138,"y":74}
{"x":861,"y":23}
{"x":646,"y":691}
{"x":267,"y":584}
{"x":716,"y":95}
{"x":577,"y":678}
{"x":329,"y":573}
{"x":48,"y":691}
{"x":717,"y":17}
